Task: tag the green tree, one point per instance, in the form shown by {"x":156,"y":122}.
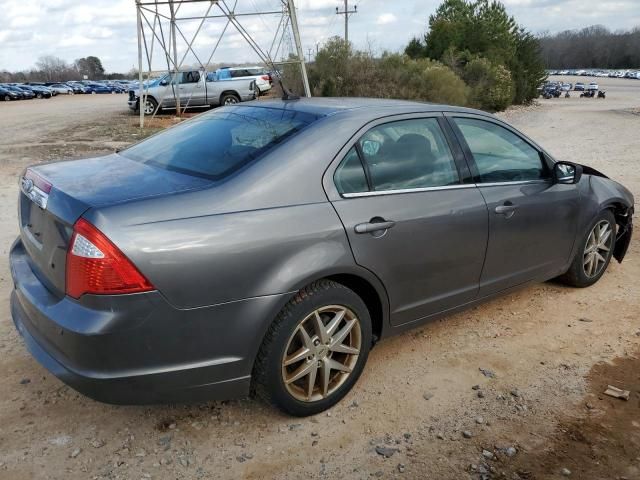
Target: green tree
{"x":415,"y":49}
{"x":91,"y":67}
{"x":461,"y":31}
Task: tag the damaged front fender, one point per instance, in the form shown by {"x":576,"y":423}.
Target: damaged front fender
{"x":625,"y":231}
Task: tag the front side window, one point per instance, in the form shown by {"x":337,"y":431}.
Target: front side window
{"x":499,"y":154}
{"x":216,"y":144}
{"x":408,"y":154}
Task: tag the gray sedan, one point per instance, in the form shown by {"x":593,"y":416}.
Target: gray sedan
{"x":264,"y":248}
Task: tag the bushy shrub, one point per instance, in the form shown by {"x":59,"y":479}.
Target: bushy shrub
{"x":491,"y":84}
{"x":340,"y":71}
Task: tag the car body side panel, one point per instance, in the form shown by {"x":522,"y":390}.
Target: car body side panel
{"x":232,"y":256}
{"x":536,"y":240}
{"x":432,"y":258}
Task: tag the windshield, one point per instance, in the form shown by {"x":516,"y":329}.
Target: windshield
{"x":216,"y":144}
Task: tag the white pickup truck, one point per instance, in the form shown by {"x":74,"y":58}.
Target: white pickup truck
{"x":195,"y":89}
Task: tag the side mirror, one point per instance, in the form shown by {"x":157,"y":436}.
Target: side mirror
{"x":164,"y":83}
{"x":567,"y":173}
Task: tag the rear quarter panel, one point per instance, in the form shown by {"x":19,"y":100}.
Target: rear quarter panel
{"x":211,"y":259}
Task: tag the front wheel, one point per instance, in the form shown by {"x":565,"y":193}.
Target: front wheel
{"x":7,"y":98}
{"x":315,"y":350}
{"x":150,"y":106}
{"x":594,"y":254}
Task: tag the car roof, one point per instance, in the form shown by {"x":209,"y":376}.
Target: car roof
{"x":325,"y":106}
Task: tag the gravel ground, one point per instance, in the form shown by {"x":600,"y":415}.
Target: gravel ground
{"x":422,"y":409}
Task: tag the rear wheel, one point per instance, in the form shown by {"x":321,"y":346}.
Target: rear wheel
{"x":229,"y":99}
{"x":315,"y":350}
{"x":7,"y":98}
{"x":594,"y":254}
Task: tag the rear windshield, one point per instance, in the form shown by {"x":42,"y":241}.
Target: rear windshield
{"x":216,"y":144}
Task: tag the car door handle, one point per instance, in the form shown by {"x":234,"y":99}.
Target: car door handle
{"x":371,"y":227}
{"x":506,"y":210}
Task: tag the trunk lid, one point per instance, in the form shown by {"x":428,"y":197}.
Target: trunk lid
{"x":47,"y":217}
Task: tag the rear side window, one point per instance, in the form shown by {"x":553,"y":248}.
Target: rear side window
{"x":499,"y":154}
{"x":350,"y":176}
{"x":216,"y":144}
{"x":190,"y":77}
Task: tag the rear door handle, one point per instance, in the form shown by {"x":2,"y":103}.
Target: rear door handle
{"x":374,"y":226}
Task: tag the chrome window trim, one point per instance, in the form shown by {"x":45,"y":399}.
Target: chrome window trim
{"x":517,"y":182}
{"x":407,"y":190}
{"x":434,"y":189}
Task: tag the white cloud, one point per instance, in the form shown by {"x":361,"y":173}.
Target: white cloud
{"x":71,"y":29}
{"x":386,"y":18}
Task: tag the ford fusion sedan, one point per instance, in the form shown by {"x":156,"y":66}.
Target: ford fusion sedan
{"x":263,"y":248}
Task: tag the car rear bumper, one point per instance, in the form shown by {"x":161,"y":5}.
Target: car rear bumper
{"x":138,"y":349}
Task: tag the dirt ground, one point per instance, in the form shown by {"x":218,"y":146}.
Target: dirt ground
{"x":553,"y":351}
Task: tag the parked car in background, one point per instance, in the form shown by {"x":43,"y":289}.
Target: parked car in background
{"x":579,"y":87}
{"x":260,"y":74}
{"x":95,"y":88}
{"x":75,"y":87}
{"x":8,"y":95}
{"x":592,"y":86}
{"x":39,"y":92}
{"x":195,"y":89}
{"x":24,"y":94}
{"x":26,"y":91}
{"x":61,"y":88}
{"x":266,"y":247}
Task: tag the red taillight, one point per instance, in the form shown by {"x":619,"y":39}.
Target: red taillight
{"x":266,"y":77}
{"x":95,"y":265}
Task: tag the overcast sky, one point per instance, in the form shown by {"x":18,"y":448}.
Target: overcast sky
{"x":107,"y":28}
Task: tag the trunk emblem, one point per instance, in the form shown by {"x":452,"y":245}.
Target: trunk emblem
{"x":27,"y":185}
{"x":33,"y":192}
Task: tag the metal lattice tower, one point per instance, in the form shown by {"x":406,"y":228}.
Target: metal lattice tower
{"x":161,"y":31}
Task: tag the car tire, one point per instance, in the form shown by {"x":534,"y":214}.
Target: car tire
{"x":594,"y":253}
{"x":7,"y":98}
{"x":151,"y":105}
{"x":277,"y":366}
{"x":39,"y":95}
{"x":229,"y":99}
{"x":93,"y":92}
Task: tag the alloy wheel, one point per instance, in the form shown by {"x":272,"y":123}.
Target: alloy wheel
{"x":597,"y":248}
{"x":230,"y":100}
{"x":148,"y":108}
{"x":321,"y":353}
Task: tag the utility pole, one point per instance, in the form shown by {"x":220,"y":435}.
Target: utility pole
{"x":296,"y":38}
{"x":346,"y":13}
{"x":176,"y":78}
{"x":142,"y":100}
{"x":309,"y":50}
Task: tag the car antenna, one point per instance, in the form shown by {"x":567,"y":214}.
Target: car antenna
{"x":286,"y":93}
